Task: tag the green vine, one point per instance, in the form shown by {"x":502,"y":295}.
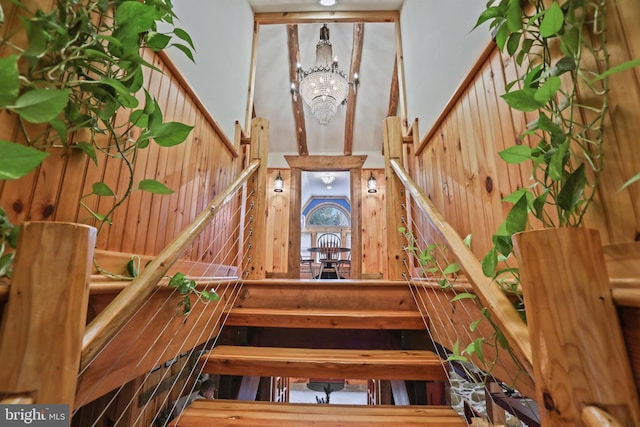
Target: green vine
{"x":8,"y":244}
{"x":567,"y":133}
{"x":82,"y":65}
{"x":187,"y":287}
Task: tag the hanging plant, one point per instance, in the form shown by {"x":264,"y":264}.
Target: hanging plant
{"x":81,"y":66}
{"x":563,"y":51}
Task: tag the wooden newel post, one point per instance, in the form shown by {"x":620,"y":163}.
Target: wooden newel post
{"x":579,"y":354}
{"x":257,"y":215}
{"x":45,"y":317}
{"x":395,"y":197}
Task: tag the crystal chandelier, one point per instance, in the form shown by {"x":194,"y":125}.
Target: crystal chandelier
{"x":324,"y":86}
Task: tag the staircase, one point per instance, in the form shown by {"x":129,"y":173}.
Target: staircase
{"x":306,"y":311}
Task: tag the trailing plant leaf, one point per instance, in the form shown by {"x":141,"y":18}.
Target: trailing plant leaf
{"x":572,"y":190}
{"x":82,"y":65}
{"x":10,"y":80}
{"x":101,"y":189}
{"x":154,"y":186}
{"x":17,"y":160}
{"x":40,"y":105}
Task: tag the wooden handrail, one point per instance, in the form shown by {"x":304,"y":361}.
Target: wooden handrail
{"x":502,"y":310}
{"x":592,"y":416}
{"x":114,"y":316}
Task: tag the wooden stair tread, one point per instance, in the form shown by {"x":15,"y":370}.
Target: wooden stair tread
{"x":326,"y":318}
{"x":244,"y":413}
{"x":324,"y":363}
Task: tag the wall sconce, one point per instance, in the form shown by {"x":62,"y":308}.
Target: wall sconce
{"x":372,"y":184}
{"x":278,"y":184}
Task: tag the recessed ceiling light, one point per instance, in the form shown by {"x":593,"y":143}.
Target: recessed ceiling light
{"x":327,"y":2}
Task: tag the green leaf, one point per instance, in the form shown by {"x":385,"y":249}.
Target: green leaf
{"x":17,"y":160}
{"x":467,"y":240}
{"x":183,"y":35}
{"x":552,"y":21}
{"x":60,"y":127}
{"x":564,"y":65}
{"x":514,"y":16}
{"x":101,"y":189}
{"x":513,"y":42}
{"x":487,"y":14}
{"x":545,"y":124}
{"x":501,"y":36}
{"x":157,"y":41}
{"x":523,"y":100}
{"x":6,"y":261}
{"x":41,"y":105}
{"x":154,"y":186}
{"x":490,"y":262}
{"x":539,"y":204}
{"x":557,"y":162}
{"x":451,"y":268}
{"x":10,"y":80}
{"x":124,"y":95}
{"x":516,"y":154}
{"x":515,"y":196}
{"x":463,"y":295}
{"x":139,"y":119}
{"x":630,"y":181}
{"x":474,"y":325}
{"x":170,"y":134}
{"x":138,"y":16}
{"x":548,"y":90}
{"x":516,"y":220}
{"x":88,"y":150}
{"x":177,"y":279}
{"x":573,"y":188}
{"x":185,"y":50}
{"x":621,"y":67}
{"x":503,"y":244}
{"x":477,"y":346}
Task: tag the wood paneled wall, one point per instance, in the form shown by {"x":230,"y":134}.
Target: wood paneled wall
{"x":374,"y":226}
{"x":145,"y":223}
{"x":460,"y":169}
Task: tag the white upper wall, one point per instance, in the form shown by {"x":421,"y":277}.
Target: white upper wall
{"x":438,"y":55}
{"x":223,"y":42}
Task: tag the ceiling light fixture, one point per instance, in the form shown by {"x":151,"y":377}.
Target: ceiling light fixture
{"x":324,"y":86}
{"x":327,"y":2}
{"x":327,"y":179}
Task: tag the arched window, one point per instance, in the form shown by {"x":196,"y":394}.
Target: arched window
{"x":328,"y":214}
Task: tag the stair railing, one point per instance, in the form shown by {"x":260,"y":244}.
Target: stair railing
{"x":113,"y":317}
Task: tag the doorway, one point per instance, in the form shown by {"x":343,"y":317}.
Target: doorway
{"x":325,"y":209}
{"x":350,"y":165}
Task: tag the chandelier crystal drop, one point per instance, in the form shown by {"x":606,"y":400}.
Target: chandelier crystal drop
{"x":324,"y":86}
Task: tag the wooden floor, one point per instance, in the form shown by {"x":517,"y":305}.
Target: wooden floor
{"x":222,"y":413}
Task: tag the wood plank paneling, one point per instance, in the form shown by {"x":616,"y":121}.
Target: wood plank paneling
{"x":484,"y":125}
{"x":146,"y":222}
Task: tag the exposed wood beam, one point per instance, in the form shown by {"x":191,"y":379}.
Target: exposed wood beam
{"x":326,"y":17}
{"x":325,"y":163}
{"x":394,"y":91}
{"x":298,"y":109}
{"x":354,"y":68}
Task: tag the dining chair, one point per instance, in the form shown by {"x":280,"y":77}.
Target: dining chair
{"x":306,"y":266}
{"x":329,"y":248}
{"x":343,"y":266}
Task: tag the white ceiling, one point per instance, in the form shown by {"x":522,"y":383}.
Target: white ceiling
{"x":438,"y":51}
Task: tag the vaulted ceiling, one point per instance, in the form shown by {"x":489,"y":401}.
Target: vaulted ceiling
{"x":363,"y":37}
